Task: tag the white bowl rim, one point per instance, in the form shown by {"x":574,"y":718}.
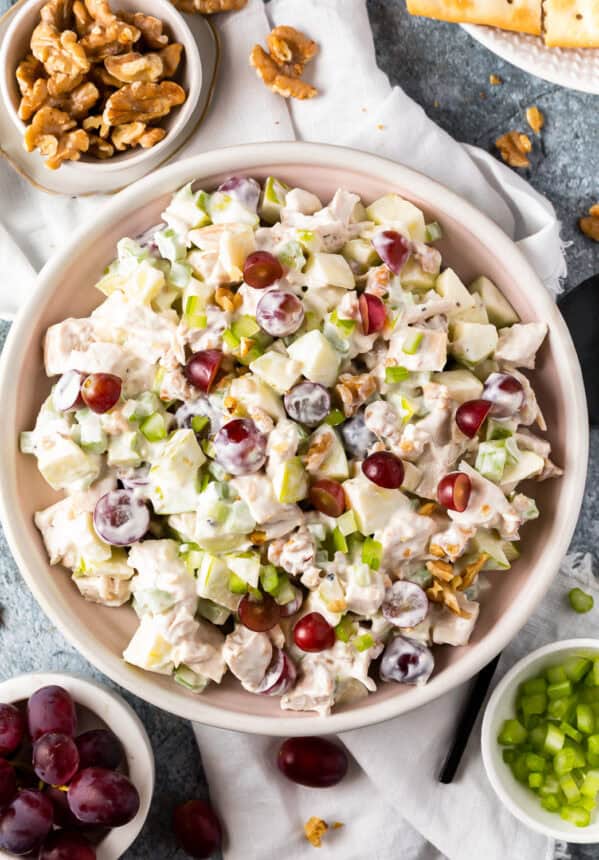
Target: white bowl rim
{"x":126,"y":725}
{"x":162,"y":9}
{"x":582,"y":836}
{"x":245,"y":157}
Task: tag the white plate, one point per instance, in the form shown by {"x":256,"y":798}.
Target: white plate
{"x":577,"y":69}
{"x":30,"y":165}
{"x":97,"y":708}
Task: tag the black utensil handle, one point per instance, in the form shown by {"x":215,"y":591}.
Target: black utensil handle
{"x":467,"y":719}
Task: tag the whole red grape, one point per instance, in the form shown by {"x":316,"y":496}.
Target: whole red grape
{"x":197,"y":829}
{"x":315,"y":762}
{"x":51,"y":709}
{"x":101,"y":391}
{"x":8,"y":783}
{"x":259,"y":615}
{"x":100,"y":796}
{"x":62,"y":845}
{"x":26,"y":822}
{"x":313,"y":633}
{"x":12,"y":728}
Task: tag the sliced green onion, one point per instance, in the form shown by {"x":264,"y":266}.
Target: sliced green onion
{"x":395,"y":374}
{"x":372,"y":553}
{"x":335,"y":417}
{"x":580,"y":601}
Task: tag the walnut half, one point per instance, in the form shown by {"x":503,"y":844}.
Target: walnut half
{"x":142,"y":102}
{"x":514,"y":147}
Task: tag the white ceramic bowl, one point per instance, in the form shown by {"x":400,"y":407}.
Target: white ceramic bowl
{"x":472,"y":244}
{"x":520,"y":801}
{"x":15,"y":46}
{"x":98,"y":707}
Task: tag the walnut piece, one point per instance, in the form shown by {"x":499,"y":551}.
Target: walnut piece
{"x":513,"y":148}
{"x":291,"y":49}
{"x":136,"y":134}
{"x":535,"y":118}
{"x":63,"y":57}
{"x":209,"y":7}
{"x":226,"y":299}
{"x":132,"y":67}
{"x":171,"y":57}
{"x":57,"y":13}
{"x":142,"y":102}
{"x":33,"y":99}
{"x":281,"y":68}
{"x":28,"y":73}
{"x":100,"y":148}
{"x":314,"y":830}
{"x":96,"y":123}
{"x":149,"y":27}
{"x":589,"y":224}
{"x":52,"y":132}
{"x":354,"y":390}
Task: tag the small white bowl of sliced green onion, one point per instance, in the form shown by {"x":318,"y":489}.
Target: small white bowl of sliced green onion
{"x":540,"y":740}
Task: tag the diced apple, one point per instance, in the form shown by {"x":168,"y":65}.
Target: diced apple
{"x":253,"y":392}
{"x":360,"y":251}
{"x":462,"y":384}
{"x":246,"y":565}
{"x":226,"y":209}
{"x":329,"y":270}
{"x":123,"y":450}
{"x":417,"y":348}
{"x":413,"y":276}
{"x":319,"y":360}
{"x":277,"y":370}
{"x":399,"y":214}
{"x":335,"y":463}
{"x":412,"y":477}
{"x":213,"y":582}
{"x":473,"y":342}
{"x":527,"y":465}
{"x":322,"y":300}
{"x":62,"y":463}
{"x":149,"y":650}
{"x":273,"y":198}
{"x":289,"y":481}
{"x":235,"y":247}
{"x":500,"y":311}
{"x":450,"y":287}
{"x":373,"y":506}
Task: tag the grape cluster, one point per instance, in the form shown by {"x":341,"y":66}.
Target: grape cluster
{"x":54,"y":785}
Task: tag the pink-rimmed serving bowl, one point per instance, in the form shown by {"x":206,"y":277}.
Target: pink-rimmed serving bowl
{"x":472,"y":245}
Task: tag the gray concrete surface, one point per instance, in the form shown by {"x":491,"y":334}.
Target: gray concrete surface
{"x":443,"y":69}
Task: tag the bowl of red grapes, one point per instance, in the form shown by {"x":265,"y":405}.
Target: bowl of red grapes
{"x":76,"y":770}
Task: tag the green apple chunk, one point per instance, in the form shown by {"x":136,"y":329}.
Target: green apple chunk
{"x":413,"y":276}
{"x":500,"y":311}
{"x":450,"y":287}
{"x":290,"y":482}
{"x":316,"y":355}
{"x":398,"y":214}
{"x":272,"y":200}
{"x":324,"y":270}
{"x":335,"y":463}
{"x":473,"y":342}
{"x":277,"y":370}
{"x":461,"y":384}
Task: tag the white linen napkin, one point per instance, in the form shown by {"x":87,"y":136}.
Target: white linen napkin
{"x":393,"y":777}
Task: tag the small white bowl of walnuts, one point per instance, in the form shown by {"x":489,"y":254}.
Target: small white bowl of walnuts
{"x":104,"y":84}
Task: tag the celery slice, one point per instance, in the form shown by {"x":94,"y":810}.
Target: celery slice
{"x":585,"y":719}
{"x":335,"y":417}
{"x":575,"y":815}
{"x":363,"y":642}
{"x":512,"y":733}
{"x":559,"y":691}
{"x":236,"y":584}
{"x":372,"y":553}
{"x":395,"y":374}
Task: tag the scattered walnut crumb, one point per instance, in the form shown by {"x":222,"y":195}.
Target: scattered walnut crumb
{"x":427,"y":509}
{"x":289,"y":50}
{"x":589,"y":224}
{"x":441,"y":570}
{"x":209,"y":7}
{"x":315,"y":828}
{"x":472,"y":570}
{"x":258,"y":537}
{"x":535,"y":118}
{"x":436,"y":103}
{"x":381,"y":127}
{"x":336,"y":825}
{"x":495,"y":80}
{"x":513,"y":148}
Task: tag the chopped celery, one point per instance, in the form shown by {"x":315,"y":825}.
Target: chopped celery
{"x":236,"y":584}
{"x":412,"y":343}
{"x":571,"y":732}
{"x":189,"y":679}
{"x":339,"y":542}
{"x":269,"y":578}
{"x":509,"y":755}
{"x":535,"y":762}
{"x":576,"y":668}
{"x":555,"y":674}
{"x":590,"y":784}
{"x":561,"y":709}
{"x":580,"y":601}
{"x":334,"y":418}
{"x":395,"y":374}
{"x":346,"y":327}
{"x":345,"y":629}
{"x":231,"y":339}
{"x":199,"y":422}
{"x":245,"y":326}
{"x":372,"y":553}
{"x":154,"y":427}
{"x":512,"y":733}
{"x":593,"y":744}
{"x":194,"y":312}
{"x":569,"y":787}
{"x":585,"y":719}
{"x":363,"y":642}
{"x":537,"y":736}
{"x":535,"y":780}
{"x":550,"y":803}
{"x":534,"y":685}
{"x":534,"y":704}
{"x":559,"y":691}
{"x":564,"y":761}
{"x":284,"y":592}
{"x":575,"y":815}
